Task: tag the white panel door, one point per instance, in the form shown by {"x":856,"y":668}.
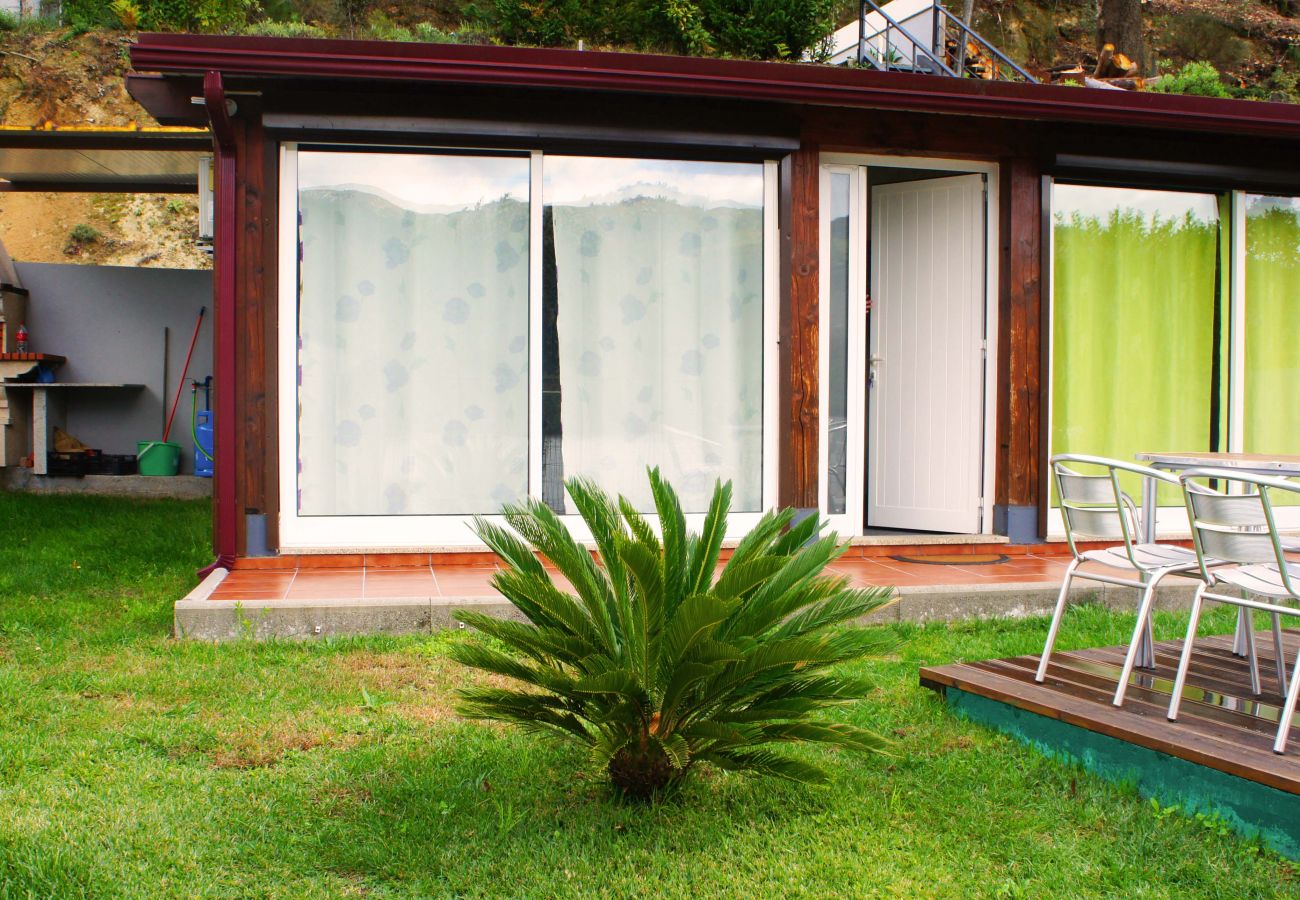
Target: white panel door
{"x":926,"y":372}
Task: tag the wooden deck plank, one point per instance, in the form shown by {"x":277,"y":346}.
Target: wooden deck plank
{"x":1222,"y":725}
{"x":1223,"y":736}
{"x":1150,"y":700}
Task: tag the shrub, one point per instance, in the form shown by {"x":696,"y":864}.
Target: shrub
{"x":80,"y":237}
{"x":1198,"y":78}
{"x":655,"y":665}
{"x":159,"y":15}
{"x":127,"y":13}
{"x":8,"y":21}
{"x":760,"y":30}
{"x":285,"y":30}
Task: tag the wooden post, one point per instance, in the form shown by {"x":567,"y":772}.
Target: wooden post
{"x":1019,"y":466}
{"x":798,"y":456}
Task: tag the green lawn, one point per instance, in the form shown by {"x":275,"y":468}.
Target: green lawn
{"x":133,"y":764}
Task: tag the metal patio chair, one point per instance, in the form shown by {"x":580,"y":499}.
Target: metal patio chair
{"x":1237,"y":529}
{"x":1095,"y":508}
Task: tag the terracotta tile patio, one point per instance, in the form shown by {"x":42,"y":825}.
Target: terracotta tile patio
{"x":392,"y":577}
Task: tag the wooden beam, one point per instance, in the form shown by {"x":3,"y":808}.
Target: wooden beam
{"x":798,"y":456}
{"x":250,"y":404}
{"x":1019,"y":466}
{"x":168,"y":99}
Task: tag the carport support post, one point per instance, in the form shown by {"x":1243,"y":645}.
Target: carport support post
{"x":223,"y":287}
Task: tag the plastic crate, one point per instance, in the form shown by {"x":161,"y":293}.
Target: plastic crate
{"x":113,"y":464}
{"x":82,"y":462}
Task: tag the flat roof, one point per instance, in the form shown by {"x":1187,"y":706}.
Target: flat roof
{"x":127,"y":159}
{"x":259,"y":58}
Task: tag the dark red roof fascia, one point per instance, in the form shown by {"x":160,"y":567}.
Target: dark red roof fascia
{"x":253,"y":57}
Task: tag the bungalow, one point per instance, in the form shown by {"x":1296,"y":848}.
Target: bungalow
{"x":450,"y":276}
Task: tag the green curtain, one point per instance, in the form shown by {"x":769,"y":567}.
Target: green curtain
{"x":1135,"y":289}
{"x":1272,"y":411}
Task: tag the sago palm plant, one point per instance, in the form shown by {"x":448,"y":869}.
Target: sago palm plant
{"x":653,"y":662}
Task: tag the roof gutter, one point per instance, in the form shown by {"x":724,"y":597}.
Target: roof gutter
{"x":219,"y":109}
{"x":253,"y":57}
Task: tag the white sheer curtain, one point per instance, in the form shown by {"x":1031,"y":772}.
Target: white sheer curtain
{"x":413,"y":324}
{"x":658,"y":281}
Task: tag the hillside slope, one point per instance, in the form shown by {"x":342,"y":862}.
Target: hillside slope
{"x":50,"y":77}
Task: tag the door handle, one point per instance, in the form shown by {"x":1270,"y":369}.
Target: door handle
{"x":872,"y":362}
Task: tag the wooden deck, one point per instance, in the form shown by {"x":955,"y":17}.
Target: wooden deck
{"x":1221,"y":725}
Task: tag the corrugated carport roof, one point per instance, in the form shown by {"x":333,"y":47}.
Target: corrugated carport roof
{"x":256,"y":58}
{"x":130,"y":160}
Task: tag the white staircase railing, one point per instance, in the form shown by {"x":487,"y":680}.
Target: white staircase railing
{"x":920,"y":36}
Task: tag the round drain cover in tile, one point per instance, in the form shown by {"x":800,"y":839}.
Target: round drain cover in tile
{"x":956,"y":559}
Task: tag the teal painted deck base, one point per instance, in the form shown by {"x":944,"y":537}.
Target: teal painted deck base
{"x":1249,"y":808}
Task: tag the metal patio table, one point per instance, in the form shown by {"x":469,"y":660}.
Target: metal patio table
{"x":1278,"y":466}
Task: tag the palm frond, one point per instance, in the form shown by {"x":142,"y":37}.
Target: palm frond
{"x":704,"y":552}
{"x":672,"y":522}
{"x":844,"y":605}
{"x":639,"y":527}
{"x":766,"y":762}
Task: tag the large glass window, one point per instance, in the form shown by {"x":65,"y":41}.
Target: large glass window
{"x":412,"y":333}
{"x":469,"y":328}
{"x":1272,"y":317}
{"x":1136,"y":306}
{"x":653,"y":327}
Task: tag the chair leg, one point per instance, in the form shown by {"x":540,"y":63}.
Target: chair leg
{"x":1139,"y":635}
{"x":1057,"y":615}
{"x":1280,"y":651}
{"x":1185,"y":661}
{"x":1239,"y":636}
{"x":1288,"y":710}
{"x":1252,"y":657}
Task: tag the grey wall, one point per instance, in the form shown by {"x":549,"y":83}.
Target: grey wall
{"x":108,"y":321}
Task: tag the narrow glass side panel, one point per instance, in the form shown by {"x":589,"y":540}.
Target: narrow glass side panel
{"x":1133,"y":322}
{"x":412,"y":333}
{"x":652,"y":350}
{"x":837,"y":465}
{"x":1272,"y":366}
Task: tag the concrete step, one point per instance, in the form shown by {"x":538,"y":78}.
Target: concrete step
{"x":199,"y":617}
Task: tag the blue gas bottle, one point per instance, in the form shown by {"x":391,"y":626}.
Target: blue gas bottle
{"x":202,"y":428}
{"x":203,"y":443}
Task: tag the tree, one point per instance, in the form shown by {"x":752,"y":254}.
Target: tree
{"x":1119,"y":22}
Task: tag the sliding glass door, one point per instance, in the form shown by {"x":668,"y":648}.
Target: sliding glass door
{"x":653,"y":305}
{"x":1134,"y":303}
{"x":1173,"y":320}
{"x":412,"y":333}
{"x":1271,"y":368}
{"x":463,"y":329}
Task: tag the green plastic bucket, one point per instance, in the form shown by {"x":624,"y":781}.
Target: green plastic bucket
{"x":158,"y":457}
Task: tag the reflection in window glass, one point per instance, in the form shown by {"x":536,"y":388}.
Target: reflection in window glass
{"x":1272,"y":366}
{"x":412,"y":333}
{"x":837,"y":428}
{"x":653,"y":327}
{"x":1135,"y":290}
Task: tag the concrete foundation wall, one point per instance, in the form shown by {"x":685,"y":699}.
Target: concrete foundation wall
{"x":108,"y":321}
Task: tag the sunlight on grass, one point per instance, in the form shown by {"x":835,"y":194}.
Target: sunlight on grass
{"x":133,"y":764}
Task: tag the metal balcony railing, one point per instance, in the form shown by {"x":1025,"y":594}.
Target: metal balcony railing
{"x":926,"y":38}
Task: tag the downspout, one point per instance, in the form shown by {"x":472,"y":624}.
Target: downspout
{"x":223,"y":277}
